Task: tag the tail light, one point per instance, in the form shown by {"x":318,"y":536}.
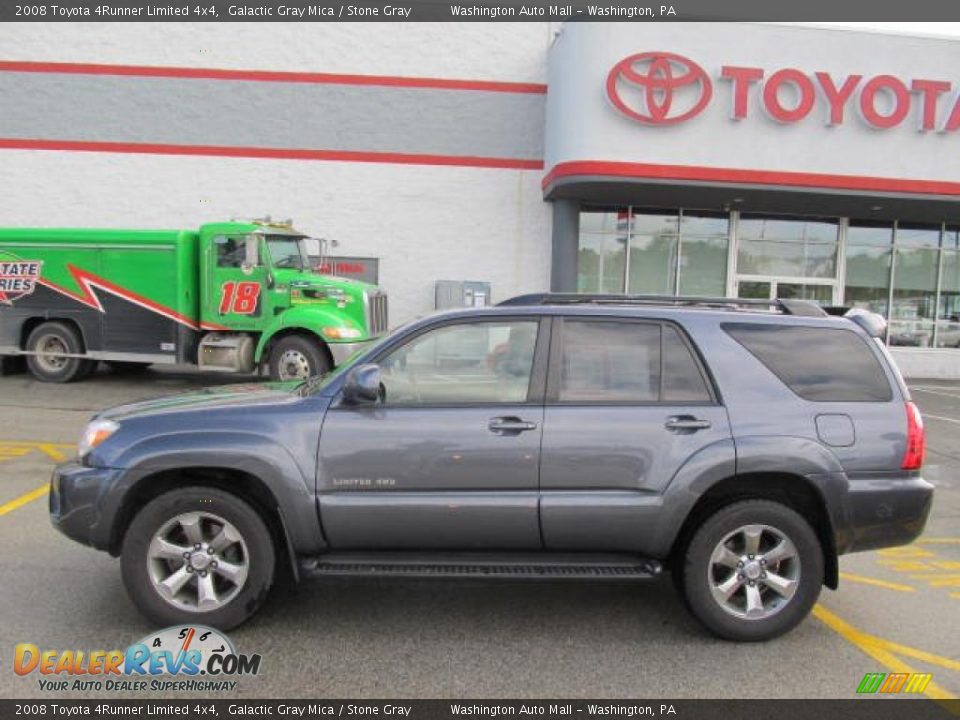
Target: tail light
{"x":913,"y":457}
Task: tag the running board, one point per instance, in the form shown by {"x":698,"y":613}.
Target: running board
{"x":499,"y":567}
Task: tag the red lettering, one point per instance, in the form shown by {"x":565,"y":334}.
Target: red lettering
{"x":953,"y":122}
{"x":837,"y":98}
{"x":771,"y":95}
{"x":901,"y":105}
{"x":930,"y":90}
{"x":741,"y":78}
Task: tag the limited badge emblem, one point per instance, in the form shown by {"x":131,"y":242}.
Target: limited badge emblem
{"x":17,"y":277}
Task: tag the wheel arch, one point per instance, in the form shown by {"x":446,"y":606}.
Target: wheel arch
{"x":795,"y":491}
{"x":244,"y":485}
{"x":32,"y":323}
{"x":268,"y":341}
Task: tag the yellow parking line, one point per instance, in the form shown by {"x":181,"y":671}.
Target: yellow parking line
{"x":883,"y":651}
{"x":878,"y":583}
{"x":24,"y":499}
{"x":939,"y":541}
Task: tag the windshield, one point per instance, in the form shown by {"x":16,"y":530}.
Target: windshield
{"x":287,"y":251}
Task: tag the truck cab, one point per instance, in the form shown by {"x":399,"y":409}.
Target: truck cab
{"x":260,"y":298}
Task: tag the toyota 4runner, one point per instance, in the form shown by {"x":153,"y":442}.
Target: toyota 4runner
{"x":742,"y":445}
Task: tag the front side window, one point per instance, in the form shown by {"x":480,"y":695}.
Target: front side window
{"x":477,"y":362}
{"x":627,"y":362}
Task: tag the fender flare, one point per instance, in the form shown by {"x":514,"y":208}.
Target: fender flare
{"x":307,"y":319}
{"x":247,"y":452}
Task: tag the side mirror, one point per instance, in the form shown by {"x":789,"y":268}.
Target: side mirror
{"x":362,"y":385}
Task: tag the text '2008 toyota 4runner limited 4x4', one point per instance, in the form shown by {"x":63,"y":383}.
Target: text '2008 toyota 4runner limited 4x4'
{"x":744,"y":445}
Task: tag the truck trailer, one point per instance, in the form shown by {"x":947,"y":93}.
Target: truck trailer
{"x":230,"y":296}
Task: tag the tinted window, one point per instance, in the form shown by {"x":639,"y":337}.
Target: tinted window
{"x":682,"y":379}
{"x":480,"y":362}
{"x":610,"y":361}
{"x":818,"y":364}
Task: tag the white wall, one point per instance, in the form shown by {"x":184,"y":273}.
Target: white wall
{"x":426,"y":223}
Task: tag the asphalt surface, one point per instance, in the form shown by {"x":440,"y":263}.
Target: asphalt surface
{"x":896,"y":610}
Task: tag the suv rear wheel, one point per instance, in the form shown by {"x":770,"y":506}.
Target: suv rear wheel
{"x":752,"y":571}
{"x":198,"y":555}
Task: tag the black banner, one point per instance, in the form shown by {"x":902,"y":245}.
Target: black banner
{"x":475,"y":11}
{"x":880,"y":709}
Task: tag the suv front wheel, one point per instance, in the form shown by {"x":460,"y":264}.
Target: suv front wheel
{"x":752,"y":571}
{"x":198,"y":555}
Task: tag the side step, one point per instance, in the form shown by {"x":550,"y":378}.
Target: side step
{"x":543,"y":566}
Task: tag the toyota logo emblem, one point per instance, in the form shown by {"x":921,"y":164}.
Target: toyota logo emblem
{"x":658,"y":88}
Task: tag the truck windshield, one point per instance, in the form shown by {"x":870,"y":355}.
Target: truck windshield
{"x":287,"y":251}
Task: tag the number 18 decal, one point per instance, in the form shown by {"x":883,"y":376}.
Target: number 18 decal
{"x":239,"y":297}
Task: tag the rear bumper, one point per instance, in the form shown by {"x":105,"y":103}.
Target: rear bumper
{"x":75,"y":495}
{"x":883,"y":512}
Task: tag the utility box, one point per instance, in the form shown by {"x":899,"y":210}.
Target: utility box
{"x":451,"y":294}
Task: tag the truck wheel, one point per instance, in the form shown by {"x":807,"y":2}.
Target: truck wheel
{"x":297,"y":358}
{"x":50,"y":343}
{"x":197,"y":555}
{"x":752,"y":571}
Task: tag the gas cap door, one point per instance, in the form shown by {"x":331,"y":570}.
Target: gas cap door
{"x":836,"y":429}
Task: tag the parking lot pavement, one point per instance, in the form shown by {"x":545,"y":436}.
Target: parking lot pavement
{"x":896,"y":610}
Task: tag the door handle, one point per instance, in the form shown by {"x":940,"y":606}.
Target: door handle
{"x":510,"y":425}
{"x":686,"y":422}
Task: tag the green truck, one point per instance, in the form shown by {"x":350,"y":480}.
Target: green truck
{"x":231,"y":296}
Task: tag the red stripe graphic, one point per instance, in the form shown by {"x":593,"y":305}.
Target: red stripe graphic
{"x":753,"y":177}
{"x":273,"y":153}
{"x":273,"y":76}
{"x":86,"y":281}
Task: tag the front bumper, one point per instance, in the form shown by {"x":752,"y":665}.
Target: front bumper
{"x":884,"y":512}
{"x":341,"y":351}
{"x":76,"y":492}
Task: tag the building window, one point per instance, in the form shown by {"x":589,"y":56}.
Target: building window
{"x":654,"y":240}
{"x":703,"y":253}
{"x":914,"y":285}
{"x":603,"y":250}
{"x":646,"y":252}
{"x":793,"y":248}
{"x":869,"y":250}
{"x":948,"y":314}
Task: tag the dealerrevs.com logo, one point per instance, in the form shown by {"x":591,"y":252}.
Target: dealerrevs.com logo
{"x":663,"y":88}
{"x":189,"y":658}
{"x":659,"y":88}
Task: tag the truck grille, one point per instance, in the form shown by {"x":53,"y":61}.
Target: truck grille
{"x":376,"y":306}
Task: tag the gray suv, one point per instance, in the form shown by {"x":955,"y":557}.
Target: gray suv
{"x":742,"y":445}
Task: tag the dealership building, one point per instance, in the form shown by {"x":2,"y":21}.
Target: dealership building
{"x":720,"y":159}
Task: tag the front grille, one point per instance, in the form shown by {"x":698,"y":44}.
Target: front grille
{"x":376,"y":305}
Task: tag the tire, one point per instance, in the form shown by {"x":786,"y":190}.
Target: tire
{"x":798,"y":567}
{"x":123,"y":366}
{"x":247,"y":545}
{"x":46,"y":365}
{"x":296,"y":357}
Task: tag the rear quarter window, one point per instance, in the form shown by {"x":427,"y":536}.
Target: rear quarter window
{"x":818,"y":364}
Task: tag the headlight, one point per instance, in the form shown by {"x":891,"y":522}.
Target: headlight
{"x":94,"y":434}
{"x":341,"y":333}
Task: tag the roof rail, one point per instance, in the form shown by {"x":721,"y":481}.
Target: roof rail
{"x":803,"y":308}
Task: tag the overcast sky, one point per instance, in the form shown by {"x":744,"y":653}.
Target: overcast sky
{"x":949,"y":29}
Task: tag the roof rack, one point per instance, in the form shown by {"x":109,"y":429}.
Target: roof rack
{"x":803,"y":308}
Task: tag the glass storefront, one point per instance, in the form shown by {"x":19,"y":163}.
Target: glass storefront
{"x":623,"y":250}
{"x":909,"y":273}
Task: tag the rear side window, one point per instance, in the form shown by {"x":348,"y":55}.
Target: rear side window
{"x":604,"y":361}
{"x":818,"y":364}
